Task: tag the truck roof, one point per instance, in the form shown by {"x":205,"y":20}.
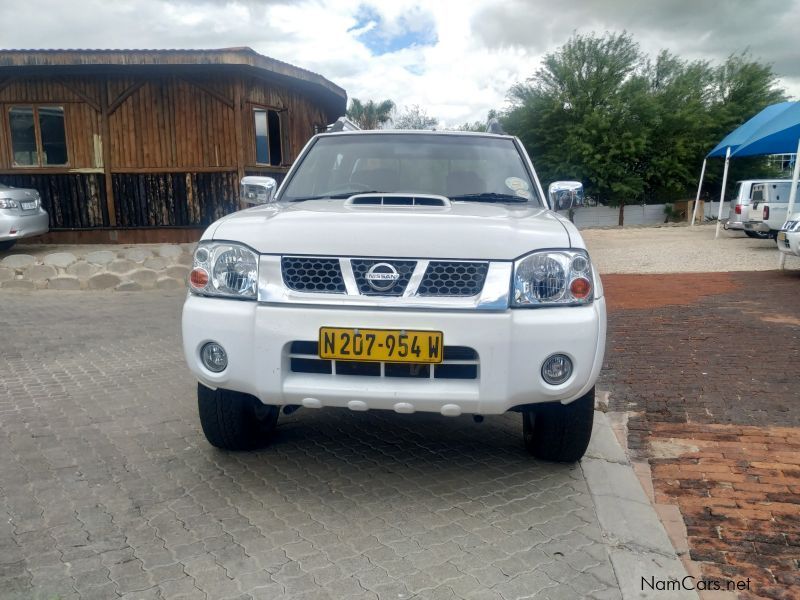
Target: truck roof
{"x":417,"y":132}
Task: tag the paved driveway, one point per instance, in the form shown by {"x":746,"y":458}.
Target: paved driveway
{"x":706,"y":365}
{"x":108,"y":488}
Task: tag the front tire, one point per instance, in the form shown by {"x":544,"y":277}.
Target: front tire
{"x":235,"y":421}
{"x":7,"y":245}
{"x":559,"y":432}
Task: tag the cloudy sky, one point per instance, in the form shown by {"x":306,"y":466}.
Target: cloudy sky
{"x":456,"y":58}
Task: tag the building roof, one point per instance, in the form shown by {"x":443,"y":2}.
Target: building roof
{"x":240,"y":59}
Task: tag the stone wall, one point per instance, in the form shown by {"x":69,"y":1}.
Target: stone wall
{"x":120,"y":268}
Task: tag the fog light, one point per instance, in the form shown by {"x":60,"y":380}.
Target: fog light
{"x":556,"y":369}
{"x":214,"y":357}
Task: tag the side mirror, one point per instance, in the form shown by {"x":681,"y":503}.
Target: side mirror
{"x":565,"y":195}
{"x":258,"y":190}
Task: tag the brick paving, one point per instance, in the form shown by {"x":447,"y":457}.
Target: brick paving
{"x":109,"y":490}
{"x":706,"y":367}
{"x":738,"y":489}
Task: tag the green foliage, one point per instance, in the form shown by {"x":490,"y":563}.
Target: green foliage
{"x":671,"y":213}
{"x":479,"y":126}
{"x":473,"y":126}
{"x":633,"y":128}
{"x":370,"y":114}
{"x":415,"y":117}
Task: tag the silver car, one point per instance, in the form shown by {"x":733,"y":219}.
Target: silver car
{"x":21,"y":215}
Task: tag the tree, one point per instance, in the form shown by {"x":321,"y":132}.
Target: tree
{"x":415,"y":117}
{"x":630,"y":127}
{"x":582,"y":115}
{"x":370,"y":114}
{"x":473,"y":126}
{"x":479,"y":126}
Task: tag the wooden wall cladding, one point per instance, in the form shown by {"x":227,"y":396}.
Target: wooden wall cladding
{"x":164,"y":122}
{"x":172,"y":149}
{"x":298,"y":116}
{"x":82,"y":119}
{"x":173,"y":123}
{"x":174,"y":199}
{"x":72,"y":201}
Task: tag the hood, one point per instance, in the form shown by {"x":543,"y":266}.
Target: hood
{"x":466,"y":230}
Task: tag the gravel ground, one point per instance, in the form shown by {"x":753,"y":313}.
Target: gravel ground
{"x":680,"y":250}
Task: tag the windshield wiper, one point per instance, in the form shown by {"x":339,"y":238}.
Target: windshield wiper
{"x":338,"y":196}
{"x":490,"y":197}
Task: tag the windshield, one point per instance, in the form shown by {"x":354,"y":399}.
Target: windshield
{"x":474,"y":168}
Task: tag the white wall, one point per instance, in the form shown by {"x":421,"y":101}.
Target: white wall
{"x":635,"y":214}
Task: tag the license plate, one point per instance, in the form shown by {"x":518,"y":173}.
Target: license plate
{"x":28,"y":205}
{"x":381,"y":345}
{"x":781,"y":236}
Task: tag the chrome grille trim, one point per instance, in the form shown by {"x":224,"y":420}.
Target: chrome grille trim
{"x":416,"y":278}
{"x":349,"y":276}
{"x":495,"y":294}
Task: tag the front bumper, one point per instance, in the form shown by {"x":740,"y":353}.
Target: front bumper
{"x":790,"y":244}
{"x":511,"y":347}
{"x":14,"y":225}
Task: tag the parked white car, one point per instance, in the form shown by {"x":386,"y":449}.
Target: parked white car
{"x":404,"y":271}
{"x":21,"y":215}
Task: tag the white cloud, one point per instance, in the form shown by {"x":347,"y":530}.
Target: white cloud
{"x":482,"y":47}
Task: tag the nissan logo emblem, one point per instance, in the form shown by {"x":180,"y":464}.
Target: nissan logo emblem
{"x":382,"y":276}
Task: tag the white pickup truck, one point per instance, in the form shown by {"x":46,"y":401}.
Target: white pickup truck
{"x":403,"y":271}
{"x":768,"y":208}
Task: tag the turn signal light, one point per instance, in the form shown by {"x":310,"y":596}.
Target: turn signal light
{"x":738,"y":209}
{"x":198,"y":278}
{"x":580,"y":287}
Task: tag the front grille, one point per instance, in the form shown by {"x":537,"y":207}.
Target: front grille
{"x":404,"y":269}
{"x":310,"y":274}
{"x":459,"y":362}
{"x":453,"y":279}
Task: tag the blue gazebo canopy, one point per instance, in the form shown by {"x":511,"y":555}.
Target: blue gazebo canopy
{"x":779,"y":135}
{"x":775,"y":130}
{"x":745,"y":133}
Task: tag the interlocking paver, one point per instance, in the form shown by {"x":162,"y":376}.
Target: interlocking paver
{"x":108,"y":488}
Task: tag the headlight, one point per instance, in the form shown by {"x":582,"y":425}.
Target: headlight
{"x":7,"y":203}
{"x":553,"y":278}
{"x":224,"y":269}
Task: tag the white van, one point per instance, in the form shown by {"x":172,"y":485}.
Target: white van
{"x":769,"y":203}
{"x":740,"y":205}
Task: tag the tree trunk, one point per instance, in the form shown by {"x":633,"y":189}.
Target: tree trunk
{"x":621,"y":214}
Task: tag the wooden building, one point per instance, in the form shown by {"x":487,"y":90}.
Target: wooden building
{"x":149,"y":145}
